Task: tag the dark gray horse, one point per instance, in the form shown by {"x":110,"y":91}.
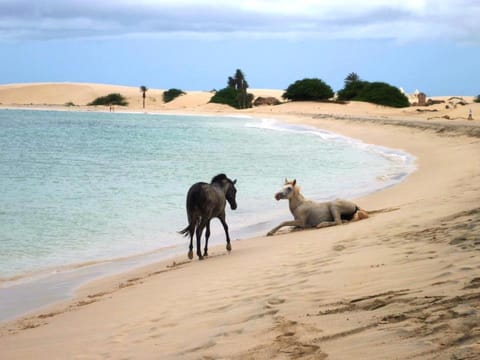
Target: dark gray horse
{"x":204,"y":202}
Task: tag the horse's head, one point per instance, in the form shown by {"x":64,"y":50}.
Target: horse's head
{"x":287,"y":190}
{"x":228,"y":187}
{"x":231,"y":194}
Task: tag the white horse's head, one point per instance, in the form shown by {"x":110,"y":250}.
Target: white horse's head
{"x":286,"y":191}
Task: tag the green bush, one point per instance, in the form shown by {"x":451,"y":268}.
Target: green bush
{"x":383,"y":94}
{"x":171,"y":94}
{"x":110,"y":99}
{"x":235,"y":94}
{"x":477,"y":99}
{"x":351,"y":90}
{"x":232,"y":97}
{"x":227,"y":96}
{"x":374,"y":92}
{"x":308,"y":90}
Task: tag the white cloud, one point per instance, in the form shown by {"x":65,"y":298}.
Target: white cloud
{"x":403,"y":20}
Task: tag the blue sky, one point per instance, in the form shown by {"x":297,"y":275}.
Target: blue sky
{"x":433,"y":46}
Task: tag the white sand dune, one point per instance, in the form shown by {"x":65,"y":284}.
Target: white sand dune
{"x":56,"y":95}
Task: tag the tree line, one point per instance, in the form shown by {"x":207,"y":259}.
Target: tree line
{"x":236,"y":93}
{"x":314,"y":89}
{"x":354,"y":88}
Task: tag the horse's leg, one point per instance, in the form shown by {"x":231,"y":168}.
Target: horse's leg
{"x":190,"y":252}
{"x":297,"y":223}
{"x":335,"y":213}
{"x":326,"y":224}
{"x":360,"y":215}
{"x":200,"y":228}
{"x":225,"y":227}
{"x":207,"y":236}
{"x":191,"y":231}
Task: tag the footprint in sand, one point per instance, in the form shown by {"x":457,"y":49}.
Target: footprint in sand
{"x":205,"y":346}
{"x":275,"y":301}
{"x":339,"y":248}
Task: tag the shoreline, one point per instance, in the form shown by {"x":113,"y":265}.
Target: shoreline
{"x":400,"y":285}
{"x":40,"y":284}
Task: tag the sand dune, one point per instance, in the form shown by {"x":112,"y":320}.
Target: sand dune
{"x":399,"y":285}
{"x":56,"y":95}
{"x":59,"y":93}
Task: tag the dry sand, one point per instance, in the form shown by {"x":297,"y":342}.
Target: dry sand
{"x":399,"y":285}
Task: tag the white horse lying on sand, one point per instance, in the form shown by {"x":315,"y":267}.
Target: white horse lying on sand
{"x":311,"y":214}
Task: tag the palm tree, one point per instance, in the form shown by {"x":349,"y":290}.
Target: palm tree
{"x":242,"y":85}
{"x":232,"y":82}
{"x":351,"y":78}
{"x":239,"y":79}
{"x":143,"y":90}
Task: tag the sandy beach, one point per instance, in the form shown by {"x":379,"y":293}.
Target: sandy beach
{"x":400,"y":285}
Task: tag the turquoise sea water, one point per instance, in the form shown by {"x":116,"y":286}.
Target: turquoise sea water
{"x":80,"y":187}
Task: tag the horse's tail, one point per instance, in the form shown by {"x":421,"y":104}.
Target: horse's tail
{"x":384,"y":210}
{"x":190,"y":228}
{"x":188,"y":231}
{"x":194,"y":196}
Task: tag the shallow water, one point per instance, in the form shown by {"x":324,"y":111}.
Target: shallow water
{"x":80,"y":187}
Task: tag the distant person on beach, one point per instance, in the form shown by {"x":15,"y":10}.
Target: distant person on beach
{"x":470,"y":116}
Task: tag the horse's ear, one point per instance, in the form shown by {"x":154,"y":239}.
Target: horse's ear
{"x":234,"y":181}
{"x":294,"y":182}
{"x":286,"y":181}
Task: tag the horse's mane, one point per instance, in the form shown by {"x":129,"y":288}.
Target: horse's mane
{"x":219,"y":178}
{"x":295,"y":187}
{"x":296,"y":190}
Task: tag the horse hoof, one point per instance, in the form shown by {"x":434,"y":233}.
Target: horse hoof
{"x":190,"y":255}
{"x":205,"y":254}
{"x":200,"y":257}
{"x":229,"y":247}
